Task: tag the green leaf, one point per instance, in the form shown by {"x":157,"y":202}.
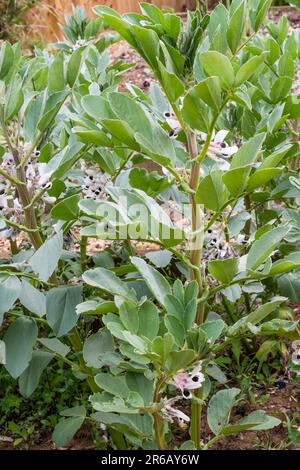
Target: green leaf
{"x":61,"y":308}
{"x":30,"y":378}
{"x":265,"y":245}
{"x":176,"y":329}
{"x":45,"y":259}
{"x":262,"y":177}
{"x":148,"y":320}
{"x":147,"y":44}
{"x":160,"y":258}
{"x":217,"y":28}
{"x":56,"y":346}
{"x":224,"y":270}
{"x":66,"y":429}
{"x":147,"y":132}
{"x":219,"y":409}
{"x":277,"y":327}
{"x":156,"y":282}
{"x":249,"y":68}
{"x":139,"y":345}
{"x":289,"y":285}
{"x":258,"y":15}
{"x":205,"y":93}
{"x":213,"y":329}
{"x":6,"y":59}
{"x":97,"y":107}
{"x":121,"y":131}
{"x":209,"y":91}
{"x":19,"y":341}
{"x":74,"y":66}
{"x":263,"y":421}
{"x":14,"y":98}
{"x":96,"y":347}
{"x":216,"y":64}
{"x":216,"y":373}
{"x":171,"y":83}
{"x":75,"y":411}
{"x":10,"y":288}
{"x":236,"y":24}
{"x":280,"y":89}
{"x":32,"y":299}
{"x":288,"y":263}
{"x":212,"y":192}
{"x":116,"y":385}
{"x":67,"y":209}
{"x":108,"y":281}
{"x":115,"y":21}
{"x":52,"y":107}
{"x":90,"y":136}
{"x":236,"y":179}
{"x":273,"y":160}
{"x":180,"y":360}
{"x":162,"y":346}
{"x":56,"y":77}
{"x":196,"y":114}
{"x":65,"y":159}
{"x":248,"y":153}
{"x":264,"y":310}
{"x":129,"y":316}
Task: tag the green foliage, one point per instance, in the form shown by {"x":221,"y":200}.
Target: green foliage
{"x":218,"y":128}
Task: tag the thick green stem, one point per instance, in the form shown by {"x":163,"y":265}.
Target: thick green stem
{"x":158,"y":422}
{"x":196,"y":252}
{"x":196,"y":258}
{"x":196,"y":416}
{"x":83,"y":255}
{"x":13,"y":246}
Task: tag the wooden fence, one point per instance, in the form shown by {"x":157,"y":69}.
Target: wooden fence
{"x":45,"y":18}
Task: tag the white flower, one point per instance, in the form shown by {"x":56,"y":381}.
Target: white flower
{"x":95,"y":185}
{"x":8,"y":163}
{"x":187,"y":381}
{"x":173,"y":123}
{"x":44,"y":174}
{"x":9,"y":233}
{"x":219,"y":148}
{"x":78,"y":44}
{"x":170,"y":413}
{"x":30,"y":174}
{"x":15,"y":206}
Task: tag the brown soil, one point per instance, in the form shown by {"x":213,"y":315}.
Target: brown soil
{"x":281,"y":402}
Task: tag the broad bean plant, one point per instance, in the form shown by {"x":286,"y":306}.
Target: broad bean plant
{"x":192,"y":188}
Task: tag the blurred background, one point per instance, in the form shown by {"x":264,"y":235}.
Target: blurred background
{"x":37,"y":22}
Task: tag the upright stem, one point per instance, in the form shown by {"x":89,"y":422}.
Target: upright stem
{"x":158,"y":422}
{"x":13,"y":246}
{"x":83,"y":254}
{"x":196,"y":258}
{"x":23,"y":192}
{"x":196,"y":253}
{"x":196,"y":416}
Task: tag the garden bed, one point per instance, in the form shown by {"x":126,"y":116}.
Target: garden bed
{"x":211,"y":314}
